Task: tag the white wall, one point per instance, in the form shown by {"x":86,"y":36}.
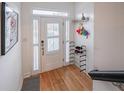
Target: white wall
{"x":88,"y":10}
{"x":10,"y":64}
{"x":109,"y":36}
{"x":108,"y":40}
{"x":27,"y":28}
{"x":107,"y":32}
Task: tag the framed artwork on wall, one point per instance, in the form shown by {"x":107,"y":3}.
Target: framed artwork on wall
{"x":9,"y":28}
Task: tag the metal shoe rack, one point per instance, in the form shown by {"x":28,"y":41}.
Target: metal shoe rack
{"x":72,"y":51}
{"x":80,"y":57}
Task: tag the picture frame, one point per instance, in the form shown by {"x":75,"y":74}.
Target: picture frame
{"x":9,"y":28}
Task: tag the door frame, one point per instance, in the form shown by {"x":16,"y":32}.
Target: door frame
{"x":63,"y":36}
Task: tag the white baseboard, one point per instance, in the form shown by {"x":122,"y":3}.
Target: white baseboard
{"x":26,"y":75}
{"x":66,"y":64}
{"x":21,"y":80}
{"x":20,"y":84}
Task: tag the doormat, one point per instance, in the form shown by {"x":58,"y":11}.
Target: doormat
{"x":31,"y":84}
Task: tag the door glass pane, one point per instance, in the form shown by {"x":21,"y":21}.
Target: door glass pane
{"x":35,"y":31}
{"x":35,"y":65}
{"x":67,"y":51}
{"x":50,"y":44}
{"x":50,"y":13}
{"x":56,"y":29}
{"x":67,"y":40}
{"x":67,"y":30}
{"x":35,"y":45}
{"x":52,"y":37}
{"x":50,"y":30}
{"x":56,"y":44}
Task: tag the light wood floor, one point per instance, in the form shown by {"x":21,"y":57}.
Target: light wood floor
{"x":64,"y":79}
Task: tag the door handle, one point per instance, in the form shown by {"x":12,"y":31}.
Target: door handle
{"x":42,"y":45}
{"x":42,"y":41}
{"x":42,"y":51}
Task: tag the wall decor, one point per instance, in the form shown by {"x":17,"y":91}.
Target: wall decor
{"x":9,"y":28}
{"x":82,"y":31}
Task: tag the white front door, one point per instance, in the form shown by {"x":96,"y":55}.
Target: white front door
{"x":51,"y":43}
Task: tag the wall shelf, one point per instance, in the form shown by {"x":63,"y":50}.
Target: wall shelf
{"x":80,"y":21}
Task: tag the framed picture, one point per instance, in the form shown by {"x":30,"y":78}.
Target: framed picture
{"x":9,"y":28}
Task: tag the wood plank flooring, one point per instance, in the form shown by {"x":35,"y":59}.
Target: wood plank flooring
{"x":66,"y":78}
